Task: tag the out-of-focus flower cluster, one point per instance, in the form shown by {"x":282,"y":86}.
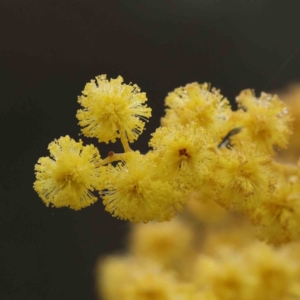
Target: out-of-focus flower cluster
{"x":187,"y":259}
{"x":203,"y":151}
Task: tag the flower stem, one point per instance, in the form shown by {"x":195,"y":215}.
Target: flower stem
{"x":124,"y":142}
{"x":112,"y":156}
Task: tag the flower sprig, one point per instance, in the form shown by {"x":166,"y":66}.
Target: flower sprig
{"x":203,"y":146}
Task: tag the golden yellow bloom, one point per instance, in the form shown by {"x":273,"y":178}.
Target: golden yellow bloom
{"x":243,"y":177}
{"x":226,"y":276}
{"x":264,"y":120}
{"x":165,"y":243}
{"x":68,"y":176}
{"x":151,"y":283}
{"x":128,"y":278}
{"x":198,"y":103}
{"x":112,"y":109}
{"x":136,"y":193}
{"x":111,"y":276}
{"x":273,"y":271}
{"x":187,"y":154}
{"x":278,"y":217}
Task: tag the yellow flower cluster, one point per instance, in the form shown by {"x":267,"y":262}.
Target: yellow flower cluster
{"x":219,"y":164}
{"x":196,"y":102}
{"x":165,"y":261}
{"x":265,"y":120}
{"x":204,"y":151}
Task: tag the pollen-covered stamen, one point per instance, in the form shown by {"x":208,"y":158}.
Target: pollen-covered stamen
{"x":135,"y":189}
{"x":68,"y":179}
{"x":183,"y":152}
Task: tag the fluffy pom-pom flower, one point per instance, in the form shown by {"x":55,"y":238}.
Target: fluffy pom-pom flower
{"x":265,"y":120}
{"x":68,"y":176}
{"x":187,"y":154}
{"x":128,"y":278}
{"x":243,"y":177}
{"x":198,"y":103}
{"x":112,"y":108}
{"x":165,"y":242}
{"x":136,"y":193}
{"x":278,"y":217}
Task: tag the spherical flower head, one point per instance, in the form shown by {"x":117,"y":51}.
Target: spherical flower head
{"x":135,"y":193}
{"x":265,"y":120}
{"x":112,"y":108}
{"x":278,"y":217}
{"x":225,"y":276}
{"x":200,"y":104}
{"x":151,"y":283}
{"x":128,"y":278}
{"x":187,"y":153}
{"x":69,"y":175}
{"x":274,"y":271}
{"x":164,"y":242}
{"x":244,"y":177}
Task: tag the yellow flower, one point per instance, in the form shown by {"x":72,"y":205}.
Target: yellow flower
{"x":68,"y":176}
{"x":243,"y":176}
{"x":166,"y":243}
{"x":128,"y":278}
{"x":226,"y":276}
{"x":187,"y":153}
{"x":274,"y":272}
{"x":135,"y":193}
{"x":265,"y":120}
{"x":198,"y":103}
{"x":278,"y":217}
{"x":112,"y":109}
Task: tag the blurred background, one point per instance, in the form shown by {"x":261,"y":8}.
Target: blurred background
{"x":50,"y":49}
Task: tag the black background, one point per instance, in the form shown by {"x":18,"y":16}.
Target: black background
{"x":48,"y":51}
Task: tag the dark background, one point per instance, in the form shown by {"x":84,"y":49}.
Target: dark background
{"x":48,"y":51}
